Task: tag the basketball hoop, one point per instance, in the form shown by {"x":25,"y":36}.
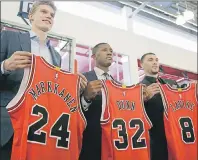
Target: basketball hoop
{"x":24,"y":9}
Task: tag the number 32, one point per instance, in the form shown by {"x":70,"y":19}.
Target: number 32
{"x":136,"y":141}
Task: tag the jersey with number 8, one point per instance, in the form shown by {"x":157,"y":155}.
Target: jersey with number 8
{"x":46,"y":116}
{"x":124,"y":123}
{"x":180,"y":121}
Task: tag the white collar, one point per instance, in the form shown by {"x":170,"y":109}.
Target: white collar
{"x":99,"y":71}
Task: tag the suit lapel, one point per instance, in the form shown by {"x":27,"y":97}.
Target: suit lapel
{"x":54,"y":58}
{"x":91,"y":75}
{"x":94,"y":75}
{"x":25,"y":42}
{"x":145,"y":81}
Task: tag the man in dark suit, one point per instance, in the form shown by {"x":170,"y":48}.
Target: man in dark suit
{"x":16,"y":51}
{"x":92,"y":101}
{"x":154,"y":106}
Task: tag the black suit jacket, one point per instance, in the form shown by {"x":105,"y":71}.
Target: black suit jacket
{"x":154,"y":108}
{"x":91,"y":149}
{"x":9,"y":84}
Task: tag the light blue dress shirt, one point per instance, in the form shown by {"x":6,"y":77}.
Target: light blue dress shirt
{"x":37,"y":49}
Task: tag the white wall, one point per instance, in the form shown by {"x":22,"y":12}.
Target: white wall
{"x":90,"y":33}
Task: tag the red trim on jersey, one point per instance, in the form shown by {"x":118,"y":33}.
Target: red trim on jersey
{"x":143,"y":107}
{"x":15,"y":107}
{"x":78,"y":100}
{"x":196,"y":91}
{"x":18,"y":106}
{"x":25,"y":125}
{"x":164,"y":100}
{"x":106,"y":103}
{"x":30,"y":79}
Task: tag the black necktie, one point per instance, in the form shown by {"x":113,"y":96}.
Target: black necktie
{"x":106,"y":75}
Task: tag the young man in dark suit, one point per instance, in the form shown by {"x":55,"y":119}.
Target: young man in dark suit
{"x":91,"y":101}
{"x":16,"y":51}
{"x":154,"y":106}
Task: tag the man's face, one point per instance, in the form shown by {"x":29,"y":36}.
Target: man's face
{"x":43,"y":18}
{"x":150,"y":64}
{"x":104,"y":55}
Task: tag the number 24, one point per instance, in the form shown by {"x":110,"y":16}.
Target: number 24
{"x":58,"y":130}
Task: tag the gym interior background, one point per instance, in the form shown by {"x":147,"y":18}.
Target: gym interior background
{"x":168,"y":29}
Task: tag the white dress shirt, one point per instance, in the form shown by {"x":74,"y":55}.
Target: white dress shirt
{"x":100,"y":75}
{"x":37,"y":49}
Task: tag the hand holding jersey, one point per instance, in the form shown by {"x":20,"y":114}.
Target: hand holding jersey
{"x":19,"y":60}
{"x":151,"y":90}
{"x":92,"y":89}
{"x":83,"y":82}
{"x":22,"y":59}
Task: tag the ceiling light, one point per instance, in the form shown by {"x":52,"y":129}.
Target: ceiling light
{"x":180,"y":20}
{"x":188,"y":15}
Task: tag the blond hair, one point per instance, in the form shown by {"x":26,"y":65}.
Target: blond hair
{"x":36,"y":4}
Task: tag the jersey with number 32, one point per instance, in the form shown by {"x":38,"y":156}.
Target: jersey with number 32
{"x":46,"y":115}
{"x":180,"y":121}
{"x":124,"y":123}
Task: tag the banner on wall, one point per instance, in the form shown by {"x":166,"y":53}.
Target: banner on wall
{"x":171,"y":73}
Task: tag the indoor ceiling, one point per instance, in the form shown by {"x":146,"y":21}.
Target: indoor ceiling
{"x":163,"y":12}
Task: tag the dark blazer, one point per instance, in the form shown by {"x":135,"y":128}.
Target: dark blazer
{"x":154,"y":108}
{"x":91,"y":148}
{"x":9,"y":84}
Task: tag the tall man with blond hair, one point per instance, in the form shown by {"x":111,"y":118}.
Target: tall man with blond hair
{"x":16,"y":52}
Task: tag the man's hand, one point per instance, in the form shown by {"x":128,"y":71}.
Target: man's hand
{"x":18,"y":60}
{"x":92,"y":89}
{"x":150,"y":91}
{"x":83,"y":82}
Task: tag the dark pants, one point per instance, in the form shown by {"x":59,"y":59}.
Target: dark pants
{"x":5,"y":151}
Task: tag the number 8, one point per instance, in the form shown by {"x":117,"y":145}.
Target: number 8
{"x":187,"y":130}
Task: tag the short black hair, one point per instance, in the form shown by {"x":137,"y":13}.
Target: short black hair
{"x":95,"y":48}
{"x":144,"y":55}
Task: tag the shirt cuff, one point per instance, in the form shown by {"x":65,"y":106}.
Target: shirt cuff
{"x":3,"y":71}
{"x":85,"y":105}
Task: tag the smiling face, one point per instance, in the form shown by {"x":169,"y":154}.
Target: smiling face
{"x":42,"y":18}
{"x":150,"y":64}
{"x":104,"y":55}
